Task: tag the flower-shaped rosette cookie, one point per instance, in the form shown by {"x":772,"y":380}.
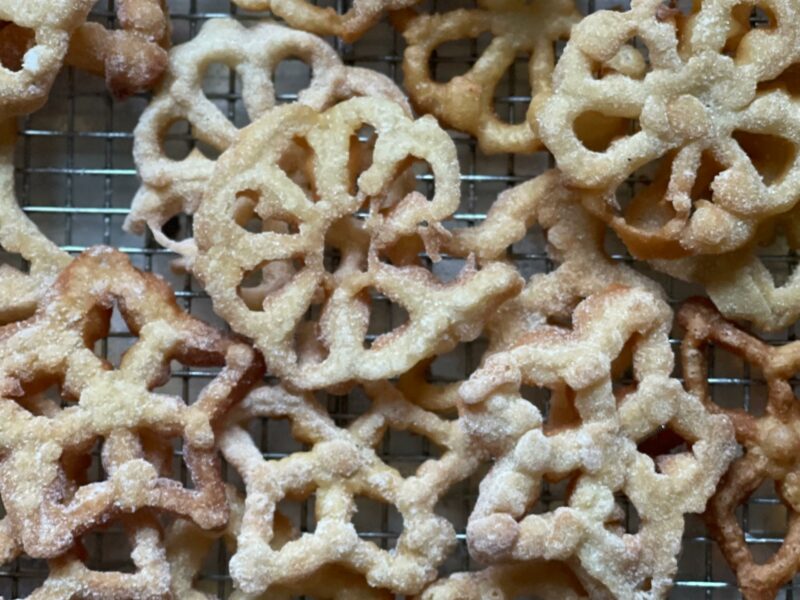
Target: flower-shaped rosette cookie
{"x":701,"y":97}
{"x":341,"y":465}
{"x":466,"y":102}
{"x":591,"y":438}
{"x":173,"y":186}
{"x":439,"y":314}
{"x":771,"y":443}
{"x":114,"y":406}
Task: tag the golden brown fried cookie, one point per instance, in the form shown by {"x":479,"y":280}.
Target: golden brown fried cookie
{"x":113,"y":405}
{"x":69,"y":575}
{"x":698,"y":89}
{"x":466,"y":102}
{"x":174,"y":186}
{"x":341,"y":465}
{"x":770,"y":444}
{"x":591,"y":438}
{"x":249,"y":177}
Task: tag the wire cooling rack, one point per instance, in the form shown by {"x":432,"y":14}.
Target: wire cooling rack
{"x":76,"y":178}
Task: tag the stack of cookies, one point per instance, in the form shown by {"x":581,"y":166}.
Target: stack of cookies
{"x":345,"y":199}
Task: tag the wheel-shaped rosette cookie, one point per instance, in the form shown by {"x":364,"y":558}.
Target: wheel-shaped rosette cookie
{"x":699,"y":88}
{"x":771,"y":443}
{"x":320,"y":218}
{"x":188,"y":547}
{"x":20,"y":291}
{"x":575,"y":241}
{"x":341,"y":465}
{"x":173,"y":186}
{"x":545,"y":580}
{"x":114,"y":406}
{"x":322,"y":20}
{"x":591,"y":439}
{"x":131,"y":58}
{"x":466,"y":102}
{"x":34,"y":38}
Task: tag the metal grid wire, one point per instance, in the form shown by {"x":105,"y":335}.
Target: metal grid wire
{"x":76,"y":178}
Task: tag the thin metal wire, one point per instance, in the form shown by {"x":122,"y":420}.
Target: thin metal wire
{"x":76,"y":180}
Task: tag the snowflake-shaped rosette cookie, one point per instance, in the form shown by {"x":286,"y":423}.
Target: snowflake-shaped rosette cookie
{"x":704,"y":91}
{"x":341,"y":465}
{"x":591,"y":438}
{"x":321,"y":217}
{"x":115,"y":406}
{"x":771,"y":443}
{"x":69,"y":575}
